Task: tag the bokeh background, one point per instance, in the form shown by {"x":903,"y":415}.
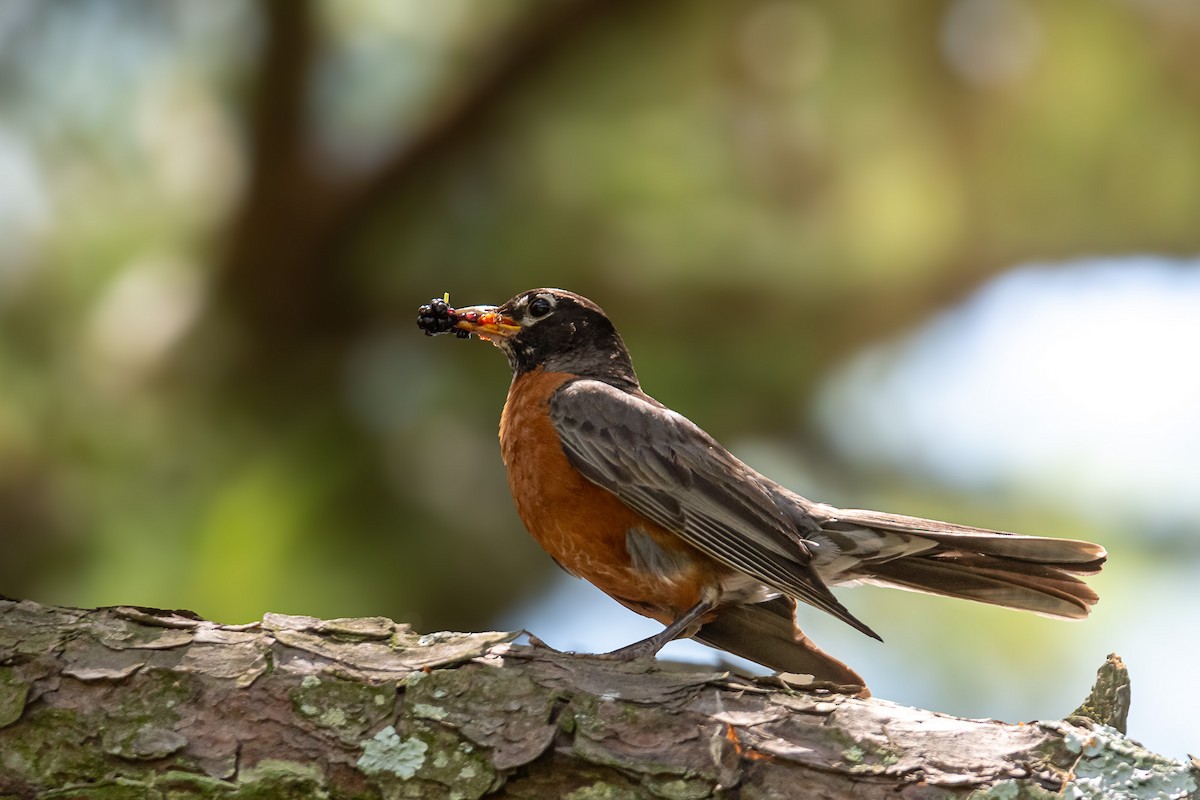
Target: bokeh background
{"x":939,"y":258}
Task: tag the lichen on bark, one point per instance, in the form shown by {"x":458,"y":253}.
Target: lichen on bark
{"x":123,"y":702}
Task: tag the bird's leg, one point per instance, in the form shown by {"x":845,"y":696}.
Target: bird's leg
{"x":650,"y":646}
{"x":646,"y":647}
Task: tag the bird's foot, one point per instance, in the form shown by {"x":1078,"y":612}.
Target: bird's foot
{"x":683,"y":626}
{"x":643,"y":649}
{"x":534,"y":641}
{"x":538,"y":647}
{"x":647,"y":648}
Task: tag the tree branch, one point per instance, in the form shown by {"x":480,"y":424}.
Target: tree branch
{"x":520,"y":57}
{"x":138,"y":700}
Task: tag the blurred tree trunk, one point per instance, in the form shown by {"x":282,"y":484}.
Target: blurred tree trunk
{"x":123,"y":701}
{"x":282,"y":276}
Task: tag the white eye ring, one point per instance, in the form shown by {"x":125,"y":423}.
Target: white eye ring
{"x":540,"y":307}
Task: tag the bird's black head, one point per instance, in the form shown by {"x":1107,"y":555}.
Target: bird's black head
{"x":556,"y":330}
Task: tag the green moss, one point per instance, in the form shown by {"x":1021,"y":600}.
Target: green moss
{"x":267,"y":780}
{"x":280,"y":780}
{"x":32,"y":630}
{"x":464,"y":770}
{"x":603,"y":791}
{"x":428,"y":711}
{"x":464,"y":690}
{"x":53,"y":745}
{"x":1013,"y":790}
{"x":64,"y":747}
{"x":1005,"y":790}
{"x":141,"y":728}
{"x":118,"y":789}
{"x":13,"y":694}
{"x":679,"y":788}
{"x":177,"y":785}
{"x":864,"y":757}
{"x":428,"y":763}
{"x":348,"y":709}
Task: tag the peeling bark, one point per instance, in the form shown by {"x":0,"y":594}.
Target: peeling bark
{"x":127,"y":702}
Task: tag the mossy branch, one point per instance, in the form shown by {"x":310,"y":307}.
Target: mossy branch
{"x":125,"y":702}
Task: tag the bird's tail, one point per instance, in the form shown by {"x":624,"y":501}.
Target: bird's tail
{"x":766,"y":633}
{"x":1030,"y":573}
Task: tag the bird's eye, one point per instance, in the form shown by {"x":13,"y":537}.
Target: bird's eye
{"x":540,"y":307}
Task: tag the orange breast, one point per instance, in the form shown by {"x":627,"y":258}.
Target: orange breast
{"x":582,"y":526}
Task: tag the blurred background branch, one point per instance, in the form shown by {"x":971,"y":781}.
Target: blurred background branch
{"x":298,"y":221}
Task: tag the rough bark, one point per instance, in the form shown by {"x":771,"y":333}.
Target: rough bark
{"x":125,"y":702}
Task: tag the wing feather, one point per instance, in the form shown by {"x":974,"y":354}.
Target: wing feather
{"x":666,"y":468}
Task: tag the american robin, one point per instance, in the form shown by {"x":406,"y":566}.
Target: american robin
{"x":638,"y":500}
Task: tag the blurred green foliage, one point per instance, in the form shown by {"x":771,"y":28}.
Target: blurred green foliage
{"x":217,"y":220}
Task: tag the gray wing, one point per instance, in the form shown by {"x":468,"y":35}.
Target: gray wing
{"x":666,"y":468}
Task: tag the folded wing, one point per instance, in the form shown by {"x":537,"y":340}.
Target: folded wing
{"x":666,"y":468}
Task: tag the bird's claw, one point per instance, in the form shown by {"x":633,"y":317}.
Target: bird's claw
{"x":534,"y":641}
{"x":631,"y":652}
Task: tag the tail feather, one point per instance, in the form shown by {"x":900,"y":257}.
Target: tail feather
{"x":1070,"y":554}
{"x":1042,"y":589}
{"x":1030,"y":573}
{"x":766,"y":633}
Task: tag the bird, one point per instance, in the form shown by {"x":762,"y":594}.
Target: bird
{"x":637,"y":499}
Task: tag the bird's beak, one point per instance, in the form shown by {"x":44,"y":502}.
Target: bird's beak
{"x":486,"y":322}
